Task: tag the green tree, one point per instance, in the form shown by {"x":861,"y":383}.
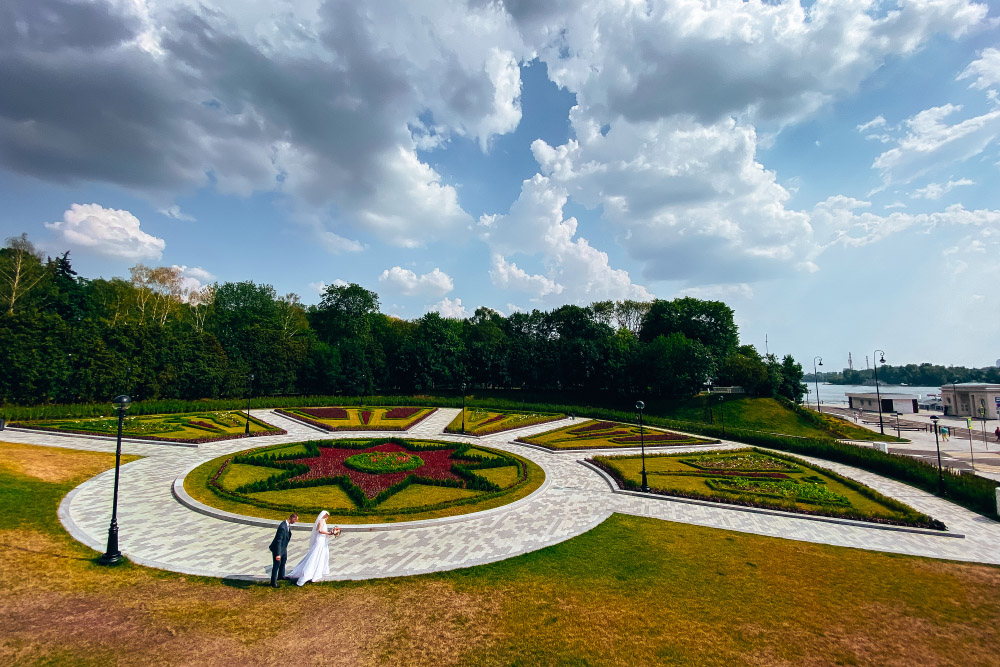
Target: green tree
{"x":710,"y":323}
{"x":791,"y":379}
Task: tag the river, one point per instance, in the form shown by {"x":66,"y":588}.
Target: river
{"x":836,"y":394}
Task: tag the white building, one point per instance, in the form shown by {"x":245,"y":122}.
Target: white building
{"x":904,"y":403}
{"x":971,"y":399}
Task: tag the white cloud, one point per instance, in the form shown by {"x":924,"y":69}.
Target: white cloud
{"x":323,"y":102}
{"x":449,"y":308}
{"x":508,"y":276}
{"x":877,"y":121}
{"x":931,"y":142}
{"x":719,"y":292}
{"x":408,"y":283}
{"x":938,"y":190}
{"x":106,"y":231}
{"x":577,"y":272}
{"x":175,"y":213}
{"x":645,"y":61}
{"x":321,"y":287}
{"x":844,"y":221}
{"x":690,"y":201}
{"x":193,"y":278}
{"x":985,"y":70}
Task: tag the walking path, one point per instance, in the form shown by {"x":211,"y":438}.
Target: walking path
{"x":158,"y":531}
{"x":958,"y":452}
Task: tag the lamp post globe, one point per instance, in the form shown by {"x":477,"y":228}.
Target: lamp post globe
{"x":249,"y":393}
{"x":112,"y":555}
{"x":937,"y":444}
{"x":639,"y":405}
{"x":878,"y":394}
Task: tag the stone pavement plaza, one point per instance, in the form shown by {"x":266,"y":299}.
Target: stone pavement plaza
{"x":159,"y":531}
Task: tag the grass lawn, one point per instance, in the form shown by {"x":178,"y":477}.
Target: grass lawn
{"x":196,"y":426}
{"x":795,"y":487}
{"x":479,"y":421}
{"x":593,"y":434}
{"x":764,"y":414}
{"x":361,"y":419}
{"x":631,"y":591}
{"x":398,"y":507}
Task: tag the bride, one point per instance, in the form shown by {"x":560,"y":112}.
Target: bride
{"x":316,"y":563}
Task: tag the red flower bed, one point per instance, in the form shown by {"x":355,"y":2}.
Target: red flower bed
{"x":366,"y":416}
{"x":491,"y":420}
{"x":325,"y":413}
{"x":205,"y":425}
{"x":599,"y":426}
{"x":330,"y":463}
{"x":401,"y":413}
{"x":650,"y":437}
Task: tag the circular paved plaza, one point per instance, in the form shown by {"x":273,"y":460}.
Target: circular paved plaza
{"x":159,"y":530}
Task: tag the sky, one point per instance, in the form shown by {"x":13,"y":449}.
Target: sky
{"x":828,"y":169}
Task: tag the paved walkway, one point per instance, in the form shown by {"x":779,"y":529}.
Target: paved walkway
{"x":158,"y":531}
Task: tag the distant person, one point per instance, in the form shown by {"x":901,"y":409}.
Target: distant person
{"x":997,"y":433}
{"x":944,"y":433}
{"x":279,"y":549}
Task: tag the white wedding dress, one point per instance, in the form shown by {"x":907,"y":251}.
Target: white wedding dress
{"x":316,"y":563}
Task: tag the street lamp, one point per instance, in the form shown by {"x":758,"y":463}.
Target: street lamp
{"x":898,"y":435}
{"x":982,"y":416}
{"x":934,"y":418}
{"x":249,"y":392}
{"x":112,"y":555}
{"x":878,"y":394}
{"x":816,"y":380}
{"x":639,"y":405}
{"x":722,"y":412}
{"x":463,"y":408}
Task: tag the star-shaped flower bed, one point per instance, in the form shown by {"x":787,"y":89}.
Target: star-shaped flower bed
{"x":437,"y":465}
{"x":370,"y":471}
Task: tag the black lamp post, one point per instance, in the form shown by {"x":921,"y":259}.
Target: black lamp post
{"x":878,"y":394}
{"x":112,"y":555}
{"x":463,"y":408}
{"x":934,"y":418}
{"x":722,"y":413}
{"x":639,"y":405}
{"x":816,"y":380}
{"x":982,"y":416}
{"x":249,"y":393}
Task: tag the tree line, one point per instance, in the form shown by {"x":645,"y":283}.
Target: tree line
{"x":918,"y":375}
{"x":65,"y":338}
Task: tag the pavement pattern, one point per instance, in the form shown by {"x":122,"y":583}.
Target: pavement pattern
{"x":158,"y":531}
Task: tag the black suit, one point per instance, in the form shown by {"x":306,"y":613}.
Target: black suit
{"x":279,"y":547}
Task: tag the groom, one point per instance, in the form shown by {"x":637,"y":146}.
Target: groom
{"x":279,"y":549}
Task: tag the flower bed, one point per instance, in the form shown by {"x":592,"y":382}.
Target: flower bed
{"x":606,"y":434}
{"x":369,"y":471}
{"x":326,"y":413}
{"x":798,"y":487}
{"x":482,"y":422}
{"x":378,"y":463}
{"x":357,"y":419}
{"x":650,"y":437}
{"x":189,"y":428}
{"x":401,"y":413}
